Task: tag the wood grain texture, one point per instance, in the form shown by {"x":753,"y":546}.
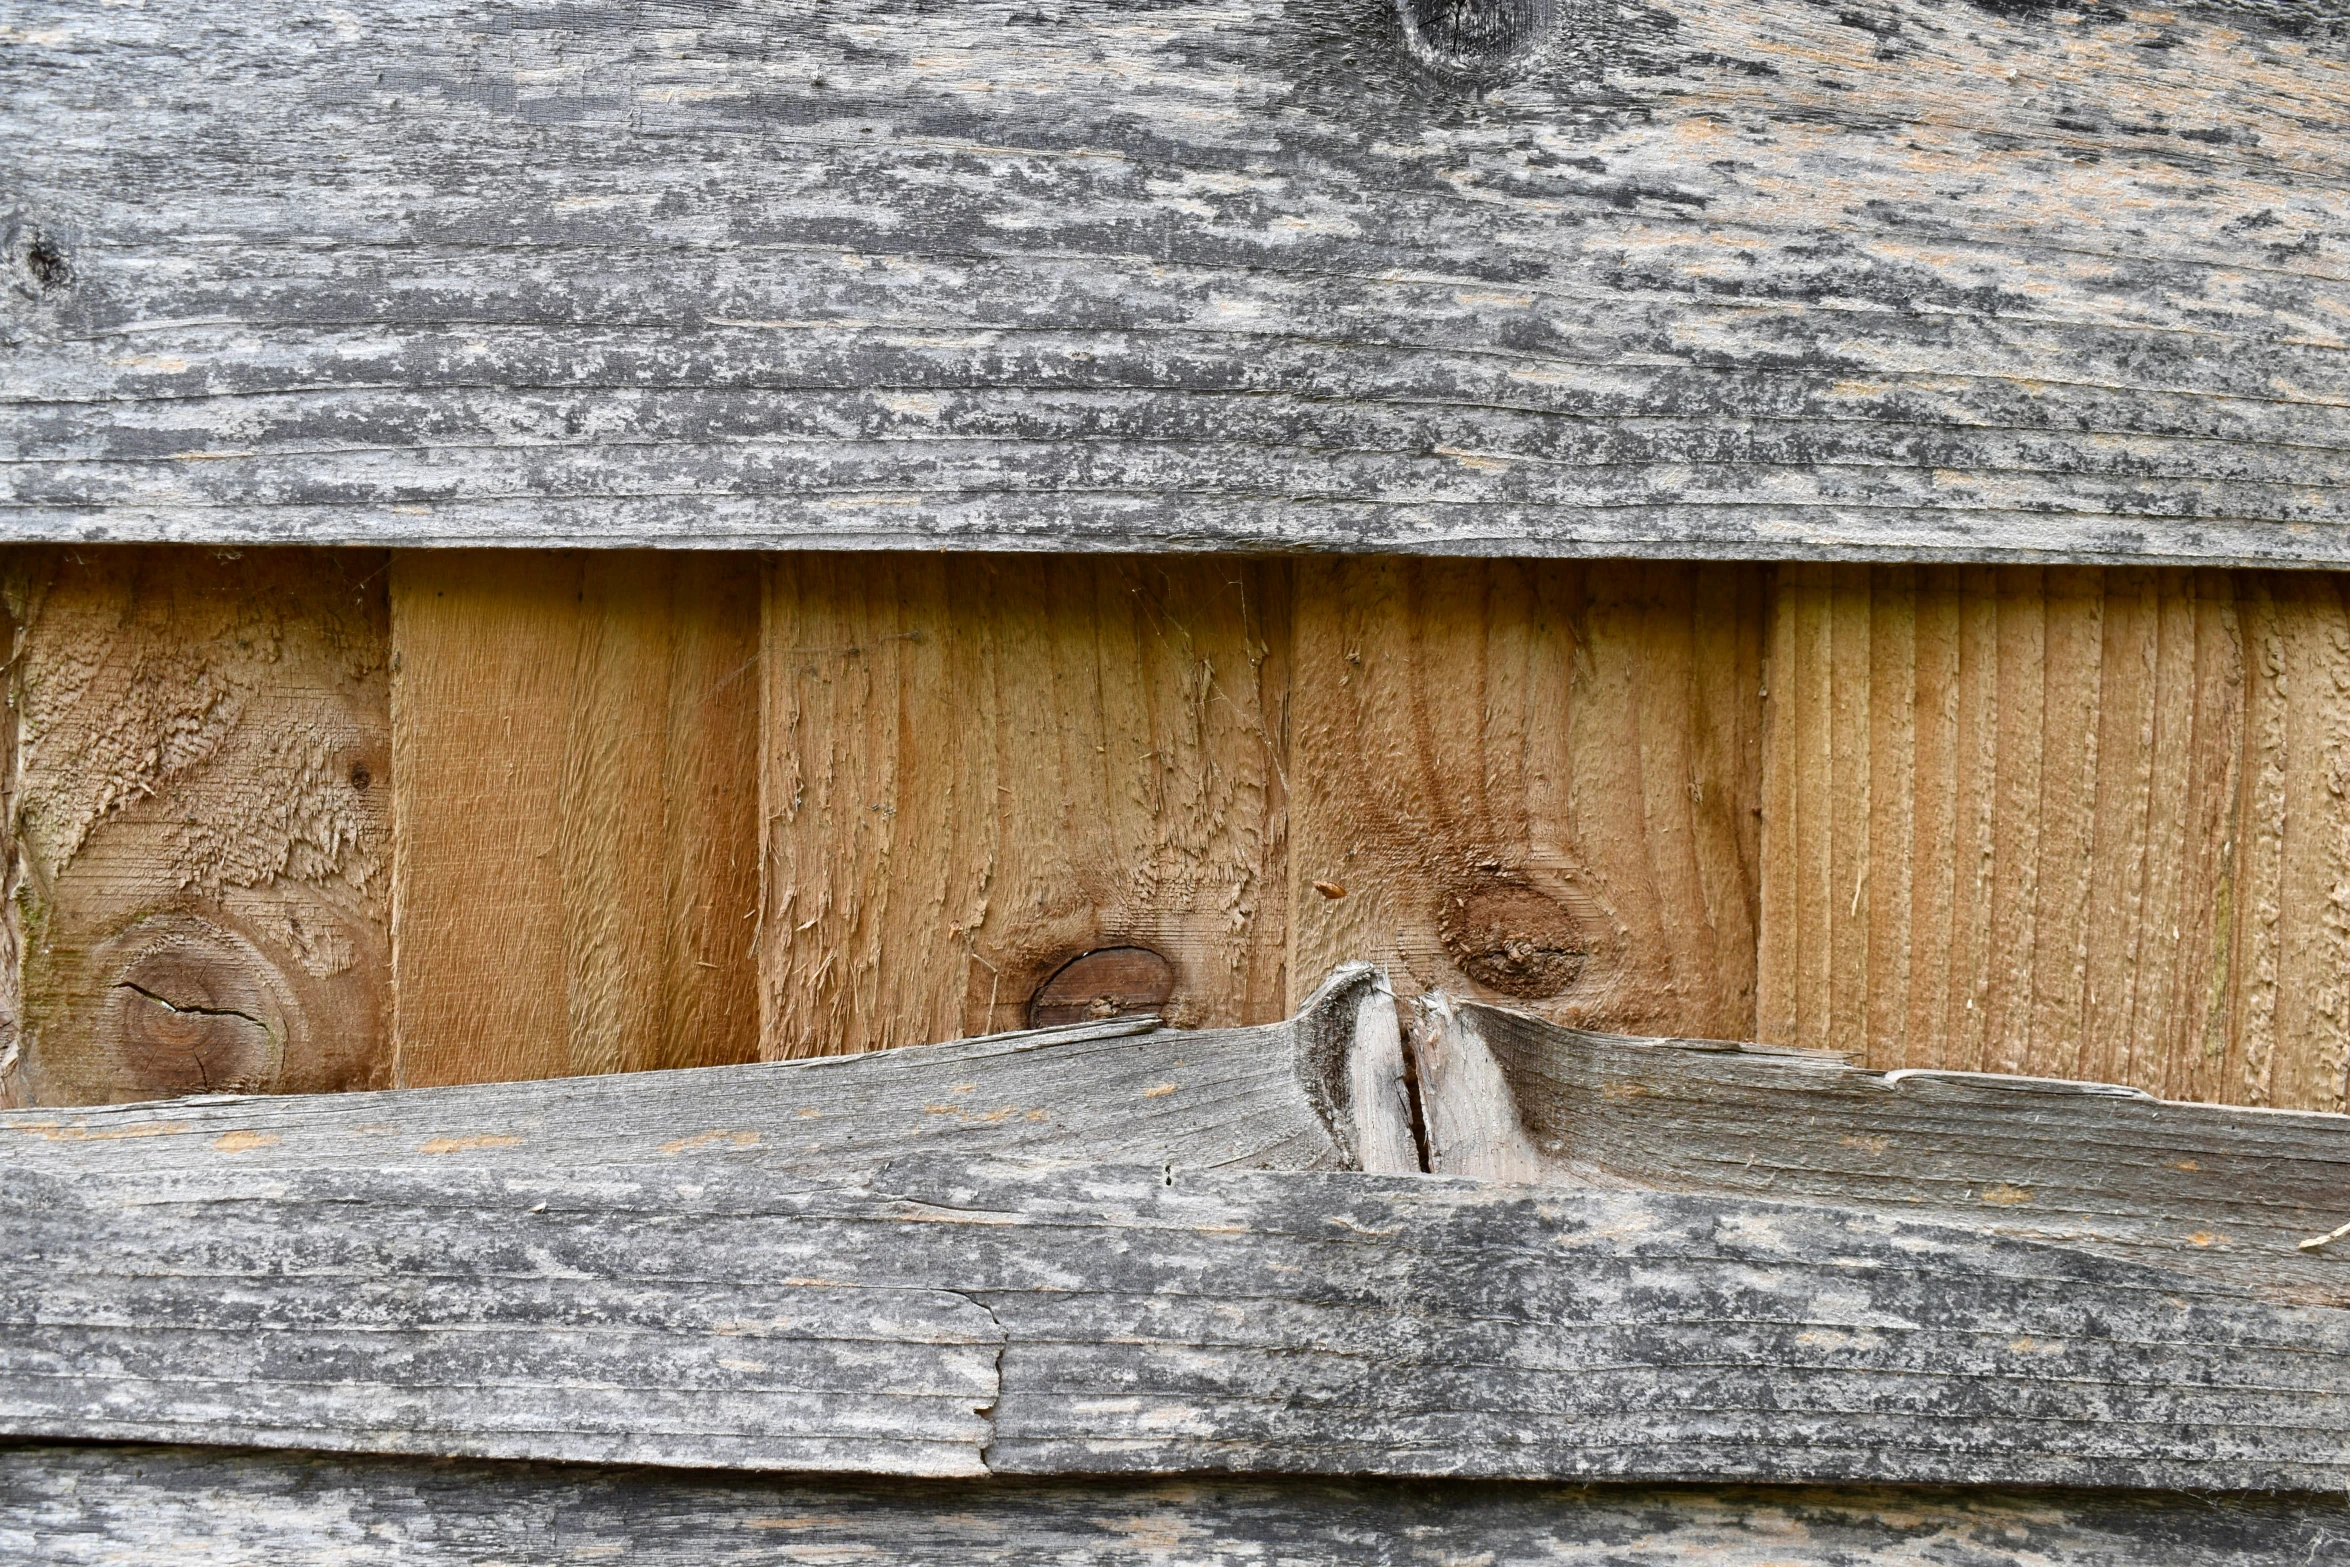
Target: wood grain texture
{"x":198,"y":815}
{"x":1895,"y":279}
{"x":2205,"y":1190}
{"x":1295,"y":1095}
{"x":952,"y":1318}
{"x":2073,"y":823}
{"x":976,"y":770}
{"x":95,"y":1507}
{"x":576,"y":765}
{"x":1536,"y":783}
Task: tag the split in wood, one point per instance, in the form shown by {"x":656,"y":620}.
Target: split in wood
{"x":1685,"y":1260}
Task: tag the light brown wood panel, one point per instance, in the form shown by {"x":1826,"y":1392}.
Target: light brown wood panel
{"x":1534,"y":783}
{"x":199,"y":821}
{"x":978,"y":768}
{"x":576,"y":765}
{"x":2073,"y":822}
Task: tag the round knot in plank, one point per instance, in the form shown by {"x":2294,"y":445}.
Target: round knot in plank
{"x":1512,"y":939}
{"x":195,"y":1009}
{"x":1109,"y":982}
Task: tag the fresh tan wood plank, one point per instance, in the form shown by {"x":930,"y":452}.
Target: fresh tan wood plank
{"x":575,"y":759}
{"x":977,"y":769}
{"x":199,"y":817}
{"x":1533,"y":782}
{"x":2074,"y":823}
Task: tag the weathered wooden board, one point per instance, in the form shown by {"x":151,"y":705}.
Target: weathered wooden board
{"x":197,"y":827}
{"x":2218,"y":1193}
{"x":1533,"y":782}
{"x":950,"y":1318}
{"x":2075,"y":823}
{"x":977,"y":771}
{"x":97,"y":1507}
{"x":1295,"y":1095}
{"x":1899,"y":278}
{"x":575,"y":760}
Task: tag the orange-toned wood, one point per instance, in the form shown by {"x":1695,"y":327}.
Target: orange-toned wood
{"x":978,"y":768}
{"x":575,"y":762}
{"x":1534,"y":783}
{"x":198,"y":814}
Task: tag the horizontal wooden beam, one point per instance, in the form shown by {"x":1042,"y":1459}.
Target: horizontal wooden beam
{"x":96,"y":1507}
{"x":1878,"y":281}
{"x":2211,"y":1191}
{"x":1682,"y":1262}
{"x":1296,"y":1095}
{"x":950,"y":1318}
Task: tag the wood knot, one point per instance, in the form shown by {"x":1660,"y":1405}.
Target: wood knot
{"x":45,"y":264}
{"x":1476,"y":40}
{"x":1109,"y":982}
{"x":1512,"y":939}
{"x":196,"y":1010}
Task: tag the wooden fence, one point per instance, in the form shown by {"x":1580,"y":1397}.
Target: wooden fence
{"x":1379,"y":571}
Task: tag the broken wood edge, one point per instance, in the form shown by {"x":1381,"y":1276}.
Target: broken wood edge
{"x":1351,"y":1064}
{"x":2093,"y":1190}
{"x":1895,"y":1079}
{"x":1322,"y":1090}
{"x":1468,"y":1107}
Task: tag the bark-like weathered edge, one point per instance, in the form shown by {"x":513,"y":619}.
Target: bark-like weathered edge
{"x":2215,"y":1191}
{"x":197,"y":1507}
{"x":1279,"y":1096}
{"x":953,"y":1318}
{"x":1266,"y":283}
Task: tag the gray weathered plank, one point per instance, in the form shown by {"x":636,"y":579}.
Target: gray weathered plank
{"x":1891,"y":279}
{"x":1283,"y":1096}
{"x":953,"y":1318}
{"x":98,"y":1507}
{"x":2215,"y":1191}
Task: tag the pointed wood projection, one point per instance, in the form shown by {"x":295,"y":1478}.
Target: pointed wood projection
{"x":1533,"y":782}
{"x":977,"y":769}
{"x":575,"y":762}
{"x":2078,"y":823}
{"x":199,"y":822}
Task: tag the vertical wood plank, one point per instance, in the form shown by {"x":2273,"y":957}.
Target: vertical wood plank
{"x":575,"y":760}
{"x":2119,"y":800}
{"x":1532,"y":782}
{"x":198,"y":810}
{"x":979,"y":768}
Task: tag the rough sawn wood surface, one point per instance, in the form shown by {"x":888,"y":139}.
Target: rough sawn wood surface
{"x":949,"y":1318}
{"x":83,"y":1507}
{"x":1891,"y":279}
